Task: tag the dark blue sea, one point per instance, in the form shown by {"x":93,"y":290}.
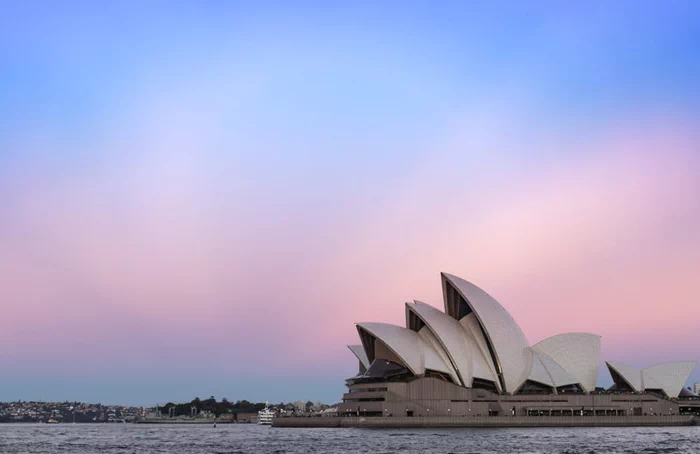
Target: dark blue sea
{"x":243,"y":438}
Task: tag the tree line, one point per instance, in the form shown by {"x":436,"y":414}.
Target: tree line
{"x":211,"y":405}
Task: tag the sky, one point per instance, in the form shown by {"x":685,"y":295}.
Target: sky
{"x":202,"y":198}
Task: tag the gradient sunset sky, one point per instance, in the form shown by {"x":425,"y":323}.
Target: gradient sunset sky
{"x":202,"y":198}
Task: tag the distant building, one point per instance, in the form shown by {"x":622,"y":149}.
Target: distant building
{"x":332,"y":411}
{"x":317,"y":407}
{"x":300,"y":407}
{"x":696,"y":387}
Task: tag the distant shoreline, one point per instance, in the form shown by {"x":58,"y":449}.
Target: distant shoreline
{"x":163,"y":422}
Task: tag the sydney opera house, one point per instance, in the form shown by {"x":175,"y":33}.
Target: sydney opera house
{"x":474,"y":360}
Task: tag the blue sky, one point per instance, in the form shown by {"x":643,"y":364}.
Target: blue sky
{"x":169,"y":169}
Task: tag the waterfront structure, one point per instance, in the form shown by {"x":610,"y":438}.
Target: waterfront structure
{"x":474,"y":360}
{"x":696,"y":388}
{"x":265,"y":415}
{"x":329,"y":412}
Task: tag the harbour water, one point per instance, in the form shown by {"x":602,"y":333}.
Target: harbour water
{"x":254,"y":439}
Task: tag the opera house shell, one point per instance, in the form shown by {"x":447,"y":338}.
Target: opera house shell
{"x":473,"y":359}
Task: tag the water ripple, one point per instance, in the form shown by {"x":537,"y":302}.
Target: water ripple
{"x":244,"y":439}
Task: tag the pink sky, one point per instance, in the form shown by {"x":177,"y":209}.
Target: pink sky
{"x":604,"y":240}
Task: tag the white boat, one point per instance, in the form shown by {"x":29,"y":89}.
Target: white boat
{"x":265,"y":415}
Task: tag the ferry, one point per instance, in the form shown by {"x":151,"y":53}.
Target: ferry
{"x":265,"y":415}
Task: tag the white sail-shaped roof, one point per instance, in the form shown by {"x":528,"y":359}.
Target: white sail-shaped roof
{"x":407,"y":346}
{"x":482,"y":366}
{"x":548,"y":372}
{"x":452,"y":337}
{"x":631,"y":375}
{"x":671,"y":376}
{"x":648,"y":382}
{"x":560,"y":376}
{"x":668,"y":377}
{"x":510,"y":350}
{"x":359,"y":352}
{"x":577,"y":353}
{"x":476,"y":338}
{"x":539,"y":373}
{"x":441,"y":362}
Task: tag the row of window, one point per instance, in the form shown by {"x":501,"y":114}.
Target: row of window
{"x":367,"y":390}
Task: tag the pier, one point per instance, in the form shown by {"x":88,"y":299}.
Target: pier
{"x":379,"y":422}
